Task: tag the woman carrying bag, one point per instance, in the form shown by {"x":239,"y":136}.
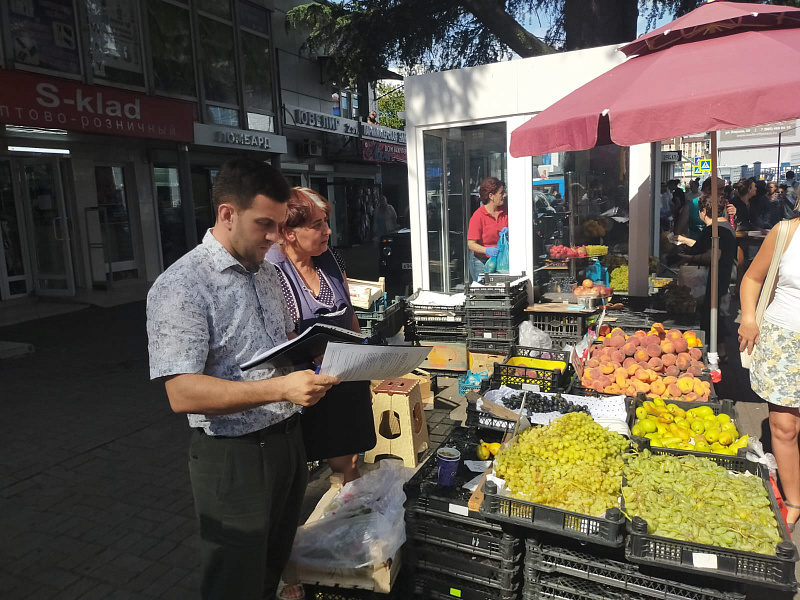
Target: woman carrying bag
{"x":769,"y":339}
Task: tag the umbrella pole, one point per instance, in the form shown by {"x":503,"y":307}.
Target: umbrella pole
{"x":713,"y":356}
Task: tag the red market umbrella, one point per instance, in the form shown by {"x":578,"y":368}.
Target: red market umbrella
{"x":645,"y":99}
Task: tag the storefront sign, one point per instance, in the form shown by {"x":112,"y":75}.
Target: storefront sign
{"x":769,"y":131}
{"x":380,"y":152}
{"x":37,"y":101}
{"x":382,"y":134}
{"x":44,"y":35}
{"x":671,"y":155}
{"x":224,"y":137}
{"x":309,"y":119}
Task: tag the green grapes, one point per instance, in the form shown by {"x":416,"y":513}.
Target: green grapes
{"x":696,"y":500}
{"x":573,"y":464}
{"x":619,"y":278}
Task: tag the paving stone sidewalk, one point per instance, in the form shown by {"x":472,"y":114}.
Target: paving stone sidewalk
{"x":95,"y":501}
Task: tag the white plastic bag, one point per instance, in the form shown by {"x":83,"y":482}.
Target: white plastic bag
{"x":363,"y":525}
{"x":755,"y":452}
{"x":531,"y":336}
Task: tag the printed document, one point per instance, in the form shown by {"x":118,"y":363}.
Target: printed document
{"x":350,"y":362}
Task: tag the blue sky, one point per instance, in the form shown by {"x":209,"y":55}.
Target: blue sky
{"x":540,"y":31}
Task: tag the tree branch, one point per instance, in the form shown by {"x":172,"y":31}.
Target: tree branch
{"x":507,"y":29}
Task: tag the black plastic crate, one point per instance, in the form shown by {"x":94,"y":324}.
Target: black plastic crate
{"x":461,"y":534}
{"x":439,"y":586}
{"x":607,"y":530}
{"x":497,"y":312}
{"x":737,"y":565}
{"x":544,"y":558}
{"x":532,"y":378}
{"x":319,"y":592}
{"x":566,"y":327}
{"x":488,"y":346}
{"x":495,"y":322}
{"x":494,"y":287}
{"x":444,"y":338}
{"x":500,"y":574}
{"x":515,"y":302}
{"x":487,"y":421}
{"x":503,"y":334}
{"x":423,"y":492}
{"x":564,"y":587}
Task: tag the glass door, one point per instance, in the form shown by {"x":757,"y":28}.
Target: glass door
{"x":47,"y":219}
{"x":112,"y":199}
{"x":14,"y":272}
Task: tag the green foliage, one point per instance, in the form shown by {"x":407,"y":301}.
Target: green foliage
{"x":391,"y":100}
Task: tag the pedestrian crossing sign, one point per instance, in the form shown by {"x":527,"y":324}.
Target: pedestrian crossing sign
{"x":696,"y":172}
{"x":705,"y":166}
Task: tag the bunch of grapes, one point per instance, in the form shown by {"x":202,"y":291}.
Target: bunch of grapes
{"x":573,"y":464}
{"x":694,"y":499}
{"x":538,"y":403}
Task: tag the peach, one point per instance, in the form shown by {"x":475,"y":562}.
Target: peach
{"x":607,"y":368}
{"x":651,"y":339}
{"x":586,"y":381}
{"x":607,"y":340}
{"x":615,"y":364}
{"x":668,"y":359}
{"x":686,"y":375}
{"x":621,"y":371}
{"x":695,"y":353}
{"x":653,"y":350}
{"x":691,"y":397}
{"x":655,"y":364}
{"x":597,"y":386}
{"x":617,"y":341}
{"x":688,"y":334}
{"x":667,"y":347}
{"x":706,"y":386}
{"x":686,"y":385}
{"x":698,"y":387}
{"x":658,"y":387}
{"x":632,"y":368}
{"x":592,"y":362}
{"x":674,"y":334}
{"x":696,"y":371}
{"x":641,"y":355}
{"x":674,"y":390}
{"x":641,"y":387}
{"x":670,"y":379}
{"x":643,"y":375}
{"x":628,"y":349}
{"x":681,"y":345}
{"x":617,"y":356}
{"x":672,"y":371}
{"x":621,"y":380}
{"x":604,"y":358}
{"x":595,"y":373}
{"x":628,"y":362}
{"x":605,"y":380}
{"x":653,"y":375}
{"x":630,"y":390}
{"x":635,"y":340}
{"x":640,"y":333}
{"x":683,"y":363}
{"x":613,"y":389}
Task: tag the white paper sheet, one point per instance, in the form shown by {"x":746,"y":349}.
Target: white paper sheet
{"x":351,"y":362}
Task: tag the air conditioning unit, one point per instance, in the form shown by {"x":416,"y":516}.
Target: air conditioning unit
{"x":312,"y":148}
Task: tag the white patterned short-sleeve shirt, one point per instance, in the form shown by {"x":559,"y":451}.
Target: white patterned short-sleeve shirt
{"x":207,"y":314}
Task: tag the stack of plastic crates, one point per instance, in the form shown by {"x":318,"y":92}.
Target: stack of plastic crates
{"x":494,"y":313}
{"x":450,"y":550}
{"x":382,"y":319}
{"x":555,"y":568}
{"x":438,"y":323}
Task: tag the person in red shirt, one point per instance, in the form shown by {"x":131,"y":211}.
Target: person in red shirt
{"x":485,"y":224}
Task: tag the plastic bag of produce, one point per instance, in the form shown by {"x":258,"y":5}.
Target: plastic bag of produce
{"x":695,"y":278}
{"x":531,"y":336}
{"x":755,"y":452}
{"x":502,"y":254}
{"x":363,"y":525}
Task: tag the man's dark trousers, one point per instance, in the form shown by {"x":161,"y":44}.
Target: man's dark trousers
{"x":248,"y":492}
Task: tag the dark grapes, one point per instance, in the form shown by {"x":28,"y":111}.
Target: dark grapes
{"x":538,"y":403}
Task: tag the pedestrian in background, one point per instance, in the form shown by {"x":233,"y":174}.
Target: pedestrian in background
{"x":217,"y":307}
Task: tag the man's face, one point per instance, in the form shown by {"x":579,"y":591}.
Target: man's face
{"x":255,"y":229}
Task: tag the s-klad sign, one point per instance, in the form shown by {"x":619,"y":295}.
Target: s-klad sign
{"x":32,"y":100}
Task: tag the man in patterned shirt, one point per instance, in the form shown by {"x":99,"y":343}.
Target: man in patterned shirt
{"x":215,"y":308}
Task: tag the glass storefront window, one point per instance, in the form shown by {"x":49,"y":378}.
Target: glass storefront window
{"x":223,"y":116}
{"x":116,"y":220}
{"x":114,"y":42}
{"x":204,"y":216}
{"x":171,"y":45}
{"x":252,"y":16}
{"x":218,"y":8}
{"x":217,"y":60}
{"x":45,"y":35}
{"x":434,"y":194}
{"x":170,"y":214}
{"x":257,"y":72}
{"x":260,"y":122}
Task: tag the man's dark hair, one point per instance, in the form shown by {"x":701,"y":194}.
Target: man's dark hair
{"x":789,"y":174}
{"x":240,"y":180}
{"x":704,"y":204}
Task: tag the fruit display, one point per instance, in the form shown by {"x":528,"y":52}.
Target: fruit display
{"x":619,"y":278}
{"x":485,"y":450}
{"x":592,"y":289}
{"x":559,"y":252}
{"x":596,"y":250}
{"x":698,"y":429}
{"x":592,"y":228}
{"x":573,"y":464}
{"x":692,"y":498}
{"x":664,"y":364}
{"x":612,"y":261}
{"x":679,"y":299}
{"x":539,"y":403}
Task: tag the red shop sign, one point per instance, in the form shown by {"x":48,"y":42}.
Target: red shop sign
{"x":36,"y":101}
{"x":382,"y":152}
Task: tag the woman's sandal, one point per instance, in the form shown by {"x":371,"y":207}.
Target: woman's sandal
{"x":281,"y":596}
{"x":790,"y":526}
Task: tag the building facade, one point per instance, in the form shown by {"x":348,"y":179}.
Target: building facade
{"x":115,"y":117}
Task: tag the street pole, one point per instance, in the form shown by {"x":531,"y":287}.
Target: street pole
{"x":713,"y":356}
{"x":778,"y":169}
